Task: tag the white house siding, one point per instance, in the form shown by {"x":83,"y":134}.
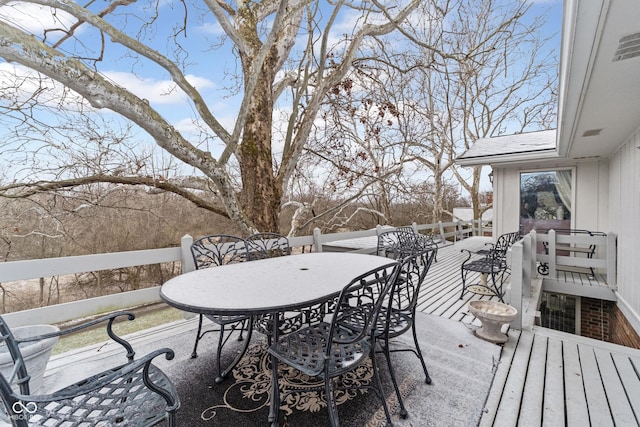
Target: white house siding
{"x":624,"y":212}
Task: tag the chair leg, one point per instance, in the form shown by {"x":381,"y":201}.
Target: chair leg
{"x":427,"y":378}
{"x":274,"y":405}
{"x":380,"y":391}
{"x":332,"y":405}
{"x":498,"y":289}
{"x":464,"y":284}
{"x":387,"y":355}
{"x":194,"y":353}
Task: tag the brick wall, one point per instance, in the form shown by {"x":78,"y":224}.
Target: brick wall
{"x":604,"y":321}
{"x":621,"y":330}
{"x":595,"y":319}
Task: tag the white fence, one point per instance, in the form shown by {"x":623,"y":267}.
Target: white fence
{"x":527,"y":283}
{"x":38,"y":268}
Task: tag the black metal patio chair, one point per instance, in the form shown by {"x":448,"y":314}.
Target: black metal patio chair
{"x":490,"y":263}
{"x":136,"y":393}
{"x":398,"y":317}
{"x":402,"y":242}
{"x":330,"y":349}
{"x":267,"y":245}
{"x":395,"y":243}
{"x":211,"y":251}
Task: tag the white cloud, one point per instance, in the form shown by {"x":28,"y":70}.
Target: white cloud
{"x":212,"y":28}
{"x":157,"y":91}
{"x":34,"y":18}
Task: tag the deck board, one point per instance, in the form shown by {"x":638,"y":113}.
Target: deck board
{"x":597,"y":405}
{"x":621,"y":410}
{"x":533,"y":395}
{"x":509,"y":411}
{"x":553,"y":411}
{"x":499,"y":380}
{"x":628,"y":375}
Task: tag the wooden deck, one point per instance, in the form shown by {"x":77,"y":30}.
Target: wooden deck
{"x":549,"y":378}
{"x":440,"y":294}
{"x":544,"y":377}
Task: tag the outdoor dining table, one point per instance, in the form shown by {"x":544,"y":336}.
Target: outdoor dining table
{"x":267,"y":286}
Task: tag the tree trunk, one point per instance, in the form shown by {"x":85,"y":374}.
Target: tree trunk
{"x":260,"y":196}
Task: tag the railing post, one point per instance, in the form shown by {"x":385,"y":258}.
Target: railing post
{"x":551,"y":244}
{"x":185,"y":254}
{"x":317,"y":239}
{"x":516,"y":283}
{"x":414,"y":225}
{"x":441,"y":227}
{"x":528,"y":267}
{"x":612,"y":249}
{"x":534,"y":251}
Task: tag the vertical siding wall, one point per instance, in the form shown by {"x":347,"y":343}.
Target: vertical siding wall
{"x":624,"y":214}
{"x":624,"y":217}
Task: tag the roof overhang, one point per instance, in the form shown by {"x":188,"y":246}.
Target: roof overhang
{"x":510,"y":149}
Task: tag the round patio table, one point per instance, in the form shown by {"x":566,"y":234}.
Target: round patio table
{"x":267,"y":286}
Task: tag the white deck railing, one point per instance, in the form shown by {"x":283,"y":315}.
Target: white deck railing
{"x":525,"y":257}
{"x":49,"y":267}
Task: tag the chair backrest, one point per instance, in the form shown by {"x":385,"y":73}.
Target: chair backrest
{"x":267,"y":245}
{"x":406,"y":228}
{"x":412,"y":272}
{"x":390,"y":242}
{"x":359,"y":303}
{"x":218,"y":249}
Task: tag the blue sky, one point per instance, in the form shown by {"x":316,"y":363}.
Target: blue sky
{"x":209,"y":71}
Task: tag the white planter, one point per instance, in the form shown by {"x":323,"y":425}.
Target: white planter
{"x":36,"y":354}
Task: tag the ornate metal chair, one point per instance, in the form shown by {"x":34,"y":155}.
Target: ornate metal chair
{"x":398,"y":317}
{"x":394,"y":243}
{"x":402,"y":242}
{"x":330,"y":349}
{"x":490,"y":263}
{"x":262,"y":246}
{"x":211,"y":251}
{"x":267,"y":245}
{"x":136,"y":393}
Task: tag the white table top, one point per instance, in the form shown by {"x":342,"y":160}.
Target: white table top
{"x":268,"y":285}
{"x":368,"y":242}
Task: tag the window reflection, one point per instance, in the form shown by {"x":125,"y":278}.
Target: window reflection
{"x":545,"y":200}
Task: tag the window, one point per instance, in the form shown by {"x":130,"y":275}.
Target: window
{"x":559,"y":312}
{"x":545,"y":200}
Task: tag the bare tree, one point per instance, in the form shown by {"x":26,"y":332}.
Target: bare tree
{"x":476,"y":70}
{"x":72,"y":56}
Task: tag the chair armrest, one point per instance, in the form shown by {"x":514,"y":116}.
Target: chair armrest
{"x":110,"y":318}
{"x":105,"y":378}
{"x":469,"y":254}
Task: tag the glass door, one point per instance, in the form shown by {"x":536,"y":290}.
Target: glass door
{"x":545,"y":200}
